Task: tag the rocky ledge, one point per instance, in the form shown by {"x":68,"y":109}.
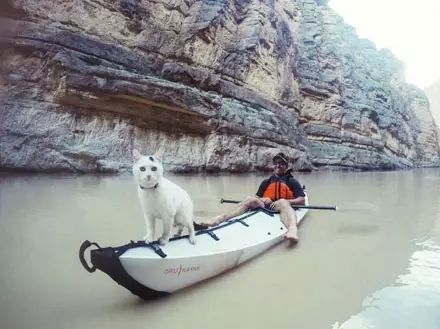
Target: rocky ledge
{"x":217,"y":85}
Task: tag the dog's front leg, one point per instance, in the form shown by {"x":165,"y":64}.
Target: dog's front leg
{"x":167,"y":228}
{"x":180,"y":228}
{"x":149,"y":224}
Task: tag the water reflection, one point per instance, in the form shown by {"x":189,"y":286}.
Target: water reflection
{"x":413,"y":302}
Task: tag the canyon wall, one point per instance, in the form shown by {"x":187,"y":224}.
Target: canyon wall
{"x":217,"y":85}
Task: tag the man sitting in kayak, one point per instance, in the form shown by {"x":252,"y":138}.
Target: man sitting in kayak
{"x":279,"y":192}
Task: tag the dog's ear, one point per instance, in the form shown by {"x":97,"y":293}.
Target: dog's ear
{"x":159,"y":154}
{"x":136,"y":155}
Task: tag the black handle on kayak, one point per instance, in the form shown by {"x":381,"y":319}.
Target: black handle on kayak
{"x":86,"y":244}
{"x":296,"y":206}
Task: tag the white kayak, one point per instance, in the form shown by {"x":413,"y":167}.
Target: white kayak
{"x":152,"y":270}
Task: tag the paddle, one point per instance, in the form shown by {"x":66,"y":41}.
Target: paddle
{"x":293,"y":206}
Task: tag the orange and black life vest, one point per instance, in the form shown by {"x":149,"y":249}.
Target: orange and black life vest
{"x":280,"y":187}
{"x":278,"y":190}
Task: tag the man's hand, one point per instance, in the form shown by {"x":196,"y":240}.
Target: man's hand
{"x":266,"y":201}
{"x":275,"y":205}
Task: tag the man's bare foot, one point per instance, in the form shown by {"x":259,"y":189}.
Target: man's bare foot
{"x":200,"y":226}
{"x":292,"y":236}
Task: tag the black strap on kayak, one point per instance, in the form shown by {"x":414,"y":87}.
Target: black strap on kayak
{"x":156,"y":249}
{"x":201,"y":229}
{"x":238,"y":220}
{"x":212,"y":235}
{"x":249,"y":214}
{"x":267,"y":211}
{"x":241,"y":222}
{"x":153,"y":245}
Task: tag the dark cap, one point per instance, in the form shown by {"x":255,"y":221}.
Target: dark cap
{"x":282,"y":157}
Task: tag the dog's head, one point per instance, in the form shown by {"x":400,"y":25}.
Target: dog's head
{"x":147,"y":169}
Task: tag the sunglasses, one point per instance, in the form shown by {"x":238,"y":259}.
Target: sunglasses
{"x":279,"y":164}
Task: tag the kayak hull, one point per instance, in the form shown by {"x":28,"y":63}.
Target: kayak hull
{"x":151,"y":271}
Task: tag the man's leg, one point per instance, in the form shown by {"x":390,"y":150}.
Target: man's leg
{"x":250,"y":202}
{"x":288,"y":216}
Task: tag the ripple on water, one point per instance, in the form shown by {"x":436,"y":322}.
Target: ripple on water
{"x":413,"y":303}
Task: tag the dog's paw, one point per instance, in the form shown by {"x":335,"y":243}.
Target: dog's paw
{"x":192,"y":240}
{"x":163,"y":241}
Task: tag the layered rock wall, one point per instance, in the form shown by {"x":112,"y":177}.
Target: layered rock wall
{"x":218,"y":85}
{"x":433,"y":93}
{"x":357,"y":110}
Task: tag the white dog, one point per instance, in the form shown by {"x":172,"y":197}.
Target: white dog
{"x":161,"y":199}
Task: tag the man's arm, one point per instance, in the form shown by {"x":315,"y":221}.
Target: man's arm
{"x":298,"y":192}
{"x":262,"y":188}
{"x":260,"y":192}
{"x":298,"y":201}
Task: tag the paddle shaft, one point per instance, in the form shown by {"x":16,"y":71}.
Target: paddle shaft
{"x":297,"y":206}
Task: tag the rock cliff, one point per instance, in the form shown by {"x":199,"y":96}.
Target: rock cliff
{"x":219,"y":85}
{"x":433,"y":93}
